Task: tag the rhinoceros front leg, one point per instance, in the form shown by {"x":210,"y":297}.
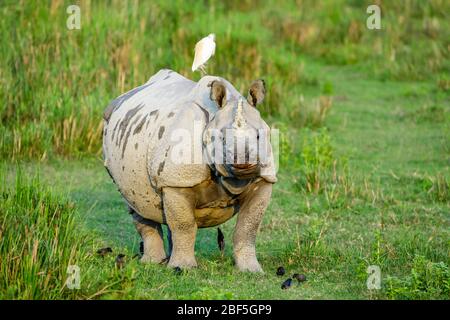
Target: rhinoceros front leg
{"x":179,"y":205}
{"x":152,"y":236}
{"x":253,"y":205}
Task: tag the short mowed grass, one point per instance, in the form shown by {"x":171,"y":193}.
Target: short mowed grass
{"x":364,"y":117}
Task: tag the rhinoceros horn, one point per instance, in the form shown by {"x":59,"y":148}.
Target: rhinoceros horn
{"x":239,"y":120}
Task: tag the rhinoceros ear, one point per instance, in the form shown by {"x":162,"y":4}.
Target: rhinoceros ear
{"x":256,"y":92}
{"x":218,"y":92}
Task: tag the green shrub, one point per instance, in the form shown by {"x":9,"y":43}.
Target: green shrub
{"x":427,"y":280}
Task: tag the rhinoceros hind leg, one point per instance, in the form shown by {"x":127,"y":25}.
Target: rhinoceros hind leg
{"x":152,"y":236}
{"x":179,"y":213}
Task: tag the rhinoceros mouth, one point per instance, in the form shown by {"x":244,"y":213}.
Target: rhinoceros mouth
{"x":244,"y":171}
{"x":244,"y":166}
{"x":240,"y":171}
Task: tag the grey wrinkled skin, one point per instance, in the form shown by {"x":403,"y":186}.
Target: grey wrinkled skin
{"x":138,"y":141}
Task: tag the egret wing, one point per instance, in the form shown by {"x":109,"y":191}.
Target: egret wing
{"x":198,"y":57}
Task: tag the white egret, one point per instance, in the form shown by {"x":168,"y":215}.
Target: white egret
{"x":204,"y":49}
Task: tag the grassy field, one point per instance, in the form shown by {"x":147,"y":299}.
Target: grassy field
{"x":365,"y":151}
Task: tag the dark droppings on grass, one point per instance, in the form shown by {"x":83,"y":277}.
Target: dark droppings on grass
{"x":281,"y":271}
{"x":299,"y":277}
{"x":286,"y":284}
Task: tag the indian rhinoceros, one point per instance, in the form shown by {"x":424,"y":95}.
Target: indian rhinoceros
{"x":162,"y":145}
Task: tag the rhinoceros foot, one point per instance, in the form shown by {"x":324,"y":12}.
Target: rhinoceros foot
{"x":182,"y":262}
{"x":147,"y":258}
{"x":247,"y":263}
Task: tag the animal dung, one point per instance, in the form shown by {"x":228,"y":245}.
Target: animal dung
{"x":286,"y":284}
{"x":120,"y":261}
{"x":281,"y":271}
{"x":220,"y":240}
{"x":104,"y":251}
{"x":299,"y":277}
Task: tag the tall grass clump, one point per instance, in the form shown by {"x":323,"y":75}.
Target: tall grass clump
{"x":440,"y":188}
{"x":312,"y":160}
{"x":38,"y":240}
{"x":307,"y":113}
{"x":317,"y":161}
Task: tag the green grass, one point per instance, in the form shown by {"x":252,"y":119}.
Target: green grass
{"x":38,"y":240}
{"x":365,"y":151}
